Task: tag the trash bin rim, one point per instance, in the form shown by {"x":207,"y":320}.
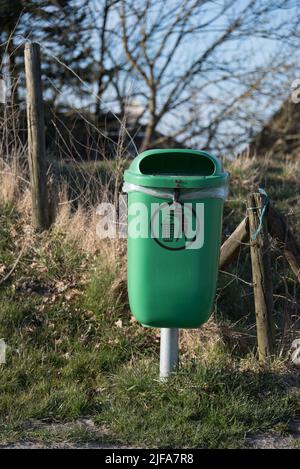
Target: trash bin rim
{"x":177,"y":181}
{"x":135,"y":176}
{"x":220,"y":192}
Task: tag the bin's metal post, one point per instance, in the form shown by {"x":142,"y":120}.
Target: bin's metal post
{"x":169,"y":352}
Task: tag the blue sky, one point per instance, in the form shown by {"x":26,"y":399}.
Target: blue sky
{"x":240,"y":56}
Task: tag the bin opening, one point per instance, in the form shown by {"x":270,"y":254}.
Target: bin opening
{"x":181,"y":164}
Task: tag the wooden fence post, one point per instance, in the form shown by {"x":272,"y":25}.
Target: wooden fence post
{"x":36,"y":137}
{"x":261,"y":273}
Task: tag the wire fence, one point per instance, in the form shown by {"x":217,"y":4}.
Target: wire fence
{"x":86,"y":159}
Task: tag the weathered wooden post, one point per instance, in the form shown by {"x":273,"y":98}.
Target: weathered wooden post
{"x":36,"y":137}
{"x":261,"y":273}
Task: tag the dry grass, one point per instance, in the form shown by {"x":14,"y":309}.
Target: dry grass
{"x":88,"y":183}
{"x":78,"y":227}
{"x":9,"y":187}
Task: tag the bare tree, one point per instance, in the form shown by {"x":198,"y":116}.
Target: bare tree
{"x":105,"y":67}
{"x":206,"y":73}
{"x":198,"y":64}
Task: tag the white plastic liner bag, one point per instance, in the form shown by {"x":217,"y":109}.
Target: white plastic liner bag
{"x":185,"y":194}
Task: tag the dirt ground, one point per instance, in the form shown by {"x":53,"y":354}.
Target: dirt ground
{"x":270,"y":440}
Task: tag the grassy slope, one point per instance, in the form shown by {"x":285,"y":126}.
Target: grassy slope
{"x":74,"y":350}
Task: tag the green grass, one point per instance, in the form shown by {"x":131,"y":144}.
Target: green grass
{"x":74,"y":352}
{"x":212,"y":404}
{"x":208,"y":406}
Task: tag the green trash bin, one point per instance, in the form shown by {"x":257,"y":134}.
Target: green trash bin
{"x":175,"y":207}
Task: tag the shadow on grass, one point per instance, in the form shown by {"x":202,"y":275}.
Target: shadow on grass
{"x":212,"y":405}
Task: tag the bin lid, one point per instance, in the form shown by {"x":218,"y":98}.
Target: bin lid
{"x":176,"y":168}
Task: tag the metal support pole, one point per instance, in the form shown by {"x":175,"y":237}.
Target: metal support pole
{"x":169,"y":352}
